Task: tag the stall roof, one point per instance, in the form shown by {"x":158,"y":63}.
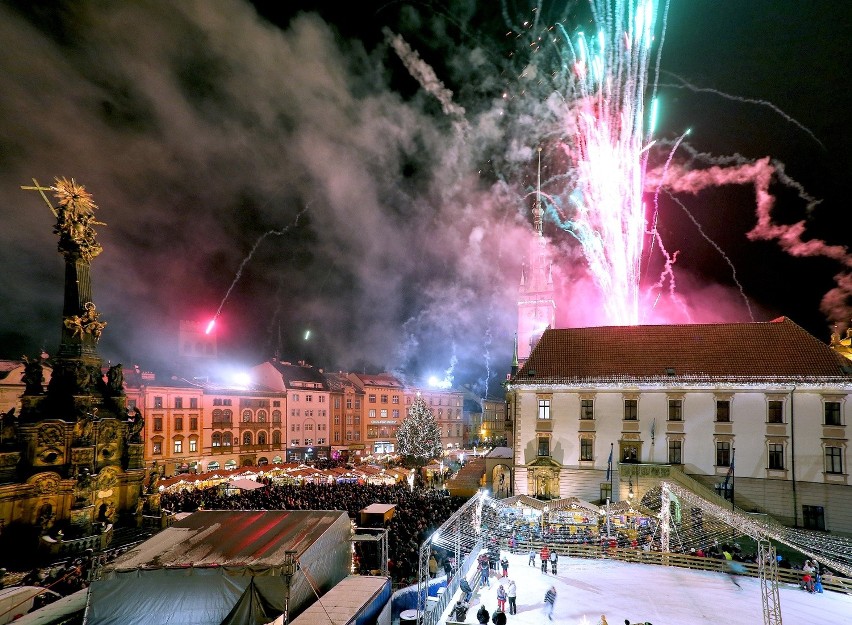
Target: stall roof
{"x":256,"y":538}
{"x":245,"y":484}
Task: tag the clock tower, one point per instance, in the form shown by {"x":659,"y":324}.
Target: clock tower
{"x":536,"y":304}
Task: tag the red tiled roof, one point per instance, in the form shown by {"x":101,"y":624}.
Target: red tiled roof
{"x":774,"y":350}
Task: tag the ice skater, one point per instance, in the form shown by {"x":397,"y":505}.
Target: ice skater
{"x":512,"y":594}
{"x":550,"y":602}
{"x":532,"y":557}
{"x":554,"y":558}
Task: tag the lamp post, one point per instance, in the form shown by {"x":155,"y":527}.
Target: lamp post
{"x":288,"y":570}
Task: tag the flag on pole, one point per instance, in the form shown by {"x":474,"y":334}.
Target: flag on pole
{"x":730,"y":475}
{"x":609,"y":465}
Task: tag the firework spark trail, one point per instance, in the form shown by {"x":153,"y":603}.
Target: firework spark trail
{"x":718,"y":249}
{"x":423,"y":73}
{"x":790,"y":237}
{"x":245,"y":261}
{"x":653,"y":231}
{"x":608,"y":84}
{"x":788,"y":118}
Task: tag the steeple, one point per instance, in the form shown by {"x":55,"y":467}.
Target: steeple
{"x":536,"y":305}
{"x":537,"y":210}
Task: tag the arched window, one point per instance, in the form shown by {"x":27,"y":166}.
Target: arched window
{"x":246,"y":416}
{"x":246,"y":438}
{"x":217,"y":440}
{"x":218,"y":416}
{"x":276,"y":437}
{"x":227,"y":439}
{"x":276,"y":416}
{"x":227,"y":415}
{"x":261,"y":416}
{"x":261,"y":438}
{"x":212,"y":466}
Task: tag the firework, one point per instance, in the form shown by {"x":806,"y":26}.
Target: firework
{"x":607,"y":145}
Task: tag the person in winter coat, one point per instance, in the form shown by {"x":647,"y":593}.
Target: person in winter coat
{"x":550,"y":602}
{"x":501,"y":598}
{"x":483,"y":572}
{"x":554,"y":558}
{"x":482,"y":615}
{"x":499,"y":618}
{"x":545,"y":556}
{"x":504,"y":564}
{"x":512,"y":594}
{"x":532,"y":557}
{"x":466,"y":589}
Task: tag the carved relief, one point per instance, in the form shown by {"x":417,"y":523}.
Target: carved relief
{"x":50,"y":435}
{"x":45,"y":483}
{"x":107,"y":478}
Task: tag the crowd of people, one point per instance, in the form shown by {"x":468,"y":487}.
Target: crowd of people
{"x":418,"y":513}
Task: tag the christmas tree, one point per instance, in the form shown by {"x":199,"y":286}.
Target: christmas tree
{"x":419,"y":435}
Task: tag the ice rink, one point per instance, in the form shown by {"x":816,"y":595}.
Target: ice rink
{"x":656,"y":594}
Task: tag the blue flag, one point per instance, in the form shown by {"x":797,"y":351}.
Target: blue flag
{"x":609,"y":466}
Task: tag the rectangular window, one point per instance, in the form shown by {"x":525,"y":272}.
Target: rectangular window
{"x":357,"y":403}
{"x":349,"y":419}
{"x":395,"y":399}
{"x":337,"y":437}
{"x":631,"y":409}
{"x":357,"y":419}
{"x":832,"y":413}
{"x":833,"y":460}
{"x":349,"y":436}
{"x":587,"y":409}
{"x":226,"y":402}
{"x":276,"y":403}
{"x":309,"y":398}
{"x":320,"y":441}
{"x":295,"y":397}
{"x":294,"y":442}
{"x":193,"y":445}
{"x":383,"y":413}
{"x":544,"y":411}
{"x":321,"y":399}
{"x":372,"y":413}
{"x":675,"y":410}
{"x":158,"y":424}
{"x":543,"y":445}
{"x":158,"y":402}
{"x":675,"y":452}
{"x":178,"y":402}
{"x":775,"y":411}
{"x":193,"y":423}
{"x":384,"y":399}
{"x":157,"y":449}
{"x":337,"y":403}
{"x":813,"y":518}
{"x":371,"y":399}
{"x":178,"y":446}
{"x":586,"y":449}
{"x":309,"y":441}
{"x":776,"y":456}
{"x":193,"y":402}
{"x":723,"y":411}
{"x":357,"y":436}
{"x":349,"y":403}
{"x":723,"y":454}
{"x":395,"y":414}
{"x":178,"y":423}
{"x":606,"y":491}
{"x":337,"y":419}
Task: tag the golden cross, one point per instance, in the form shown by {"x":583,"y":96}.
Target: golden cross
{"x":41,"y":190}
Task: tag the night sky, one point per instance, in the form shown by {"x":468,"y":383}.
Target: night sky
{"x":292,"y":148}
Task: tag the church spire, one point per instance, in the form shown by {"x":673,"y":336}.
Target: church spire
{"x":537,"y":211}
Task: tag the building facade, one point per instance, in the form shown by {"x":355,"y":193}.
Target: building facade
{"x":765,"y":402}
